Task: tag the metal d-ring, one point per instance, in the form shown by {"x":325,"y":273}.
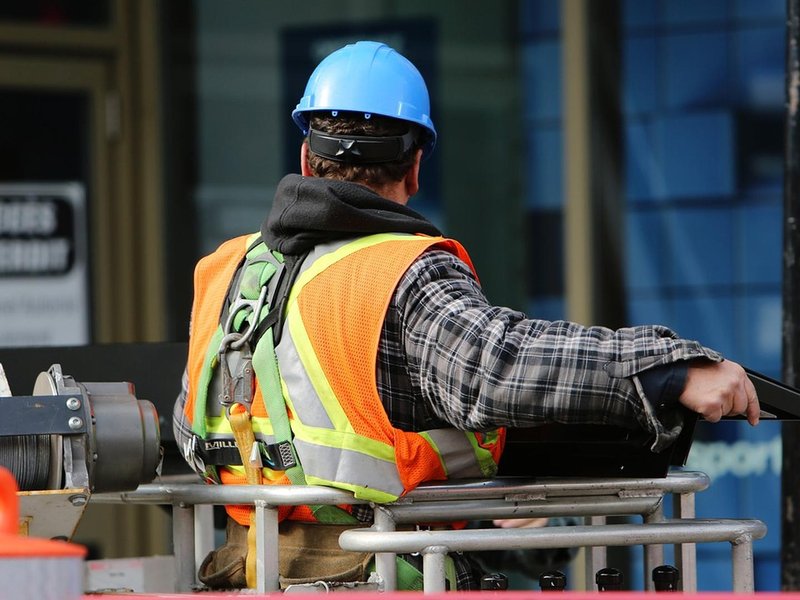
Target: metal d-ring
{"x":255,"y":307}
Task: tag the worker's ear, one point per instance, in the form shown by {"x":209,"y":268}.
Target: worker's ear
{"x":412,"y":177}
{"x":305,"y":169}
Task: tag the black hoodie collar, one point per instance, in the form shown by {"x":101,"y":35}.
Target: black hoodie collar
{"x":311,"y":210}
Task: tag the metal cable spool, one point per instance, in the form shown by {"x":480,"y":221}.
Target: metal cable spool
{"x":35,"y":460}
{"x":28,"y":458}
{"x":89,"y":435}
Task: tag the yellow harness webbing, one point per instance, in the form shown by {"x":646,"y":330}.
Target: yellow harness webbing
{"x":243,"y":434}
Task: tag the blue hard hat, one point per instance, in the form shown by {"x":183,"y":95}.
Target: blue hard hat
{"x":369,"y":78}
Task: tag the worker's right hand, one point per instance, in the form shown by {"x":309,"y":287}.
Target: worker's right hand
{"x":716,"y":390}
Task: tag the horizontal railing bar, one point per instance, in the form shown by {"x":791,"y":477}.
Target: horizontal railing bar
{"x":677,"y":482}
{"x":199,"y":493}
{"x":466,"y":540}
{"x":168,"y":492}
{"x":421,"y":512}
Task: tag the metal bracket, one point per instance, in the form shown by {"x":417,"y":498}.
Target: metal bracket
{"x":32,"y":415}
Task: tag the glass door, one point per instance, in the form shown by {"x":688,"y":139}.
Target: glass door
{"x":53,"y":192}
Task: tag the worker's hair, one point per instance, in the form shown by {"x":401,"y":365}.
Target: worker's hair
{"x":373,"y":175}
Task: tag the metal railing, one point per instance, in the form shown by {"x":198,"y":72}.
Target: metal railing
{"x":593,"y":499}
{"x":435,"y":545}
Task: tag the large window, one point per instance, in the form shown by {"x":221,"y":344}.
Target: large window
{"x":703,"y":89}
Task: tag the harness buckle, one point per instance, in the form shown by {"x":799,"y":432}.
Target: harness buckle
{"x":279,"y":456}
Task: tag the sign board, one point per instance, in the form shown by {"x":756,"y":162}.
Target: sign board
{"x":44,"y":281}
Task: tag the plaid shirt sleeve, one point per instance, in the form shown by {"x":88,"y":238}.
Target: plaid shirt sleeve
{"x":479,"y":366}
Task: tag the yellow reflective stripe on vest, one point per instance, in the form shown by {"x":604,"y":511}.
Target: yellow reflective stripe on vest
{"x":348,"y":469}
{"x":343,"y":458}
{"x":345,"y":440}
{"x":219,"y":426}
{"x":328,"y":259}
{"x":456,"y":452}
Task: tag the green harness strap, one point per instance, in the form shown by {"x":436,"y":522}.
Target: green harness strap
{"x":409,"y":578}
{"x":209,"y":364}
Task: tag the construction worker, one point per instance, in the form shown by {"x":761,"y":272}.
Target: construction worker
{"x":366,"y":338}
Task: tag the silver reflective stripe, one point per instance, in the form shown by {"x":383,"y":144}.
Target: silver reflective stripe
{"x":456,"y":452}
{"x":298,"y":383}
{"x":348,"y":467}
{"x":301,"y":391}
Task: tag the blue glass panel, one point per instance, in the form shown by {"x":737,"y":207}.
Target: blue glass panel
{"x":639,"y":13}
{"x":760,"y":9}
{"x":697,"y":152}
{"x":644,"y":177}
{"x":639,"y":74}
{"x":705,"y":318}
{"x":744,"y":465}
{"x":541,"y":80}
{"x":759,"y":67}
{"x":684,"y":12}
{"x":714,"y":568}
{"x":544,"y":173}
{"x":549,"y":308}
{"x":696,"y":69}
{"x":760,"y":331}
{"x":767,"y":568}
{"x":689,"y":140}
{"x":540,"y":16}
{"x":644,"y":250}
{"x":760,"y":243}
{"x":698,"y":246}
{"x":648,"y":311}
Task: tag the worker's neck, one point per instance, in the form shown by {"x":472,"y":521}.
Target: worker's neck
{"x":395,"y":192}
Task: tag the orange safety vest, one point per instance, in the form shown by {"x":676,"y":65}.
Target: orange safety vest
{"x":327,"y":363}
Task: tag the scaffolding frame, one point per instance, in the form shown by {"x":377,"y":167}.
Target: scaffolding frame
{"x":593,"y":499}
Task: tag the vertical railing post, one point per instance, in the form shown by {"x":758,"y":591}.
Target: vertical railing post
{"x":653,"y":553}
{"x":267,"y":558}
{"x":742,"y":565}
{"x":686,"y":554}
{"x":183,"y":546}
{"x":203,"y":532}
{"x":433,"y":569}
{"x":385,"y":562}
